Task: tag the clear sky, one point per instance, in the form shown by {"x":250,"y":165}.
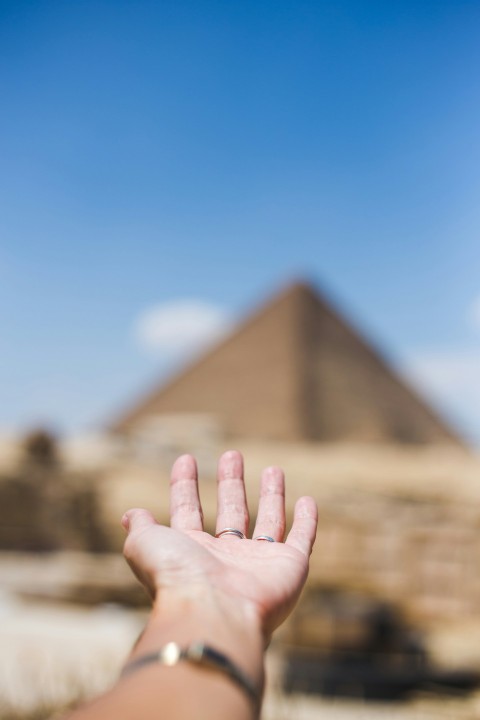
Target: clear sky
{"x":154,"y":153}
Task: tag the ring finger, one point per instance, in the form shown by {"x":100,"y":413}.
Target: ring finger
{"x":271,"y":507}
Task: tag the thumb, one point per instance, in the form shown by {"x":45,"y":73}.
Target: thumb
{"x":137,"y":518}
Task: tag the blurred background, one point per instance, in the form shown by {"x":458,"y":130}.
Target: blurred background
{"x":249,"y":225}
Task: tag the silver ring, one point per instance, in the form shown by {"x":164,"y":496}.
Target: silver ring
{"x":231,"y":531}
{"x":264,"y":537}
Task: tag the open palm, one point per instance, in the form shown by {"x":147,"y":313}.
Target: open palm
{"x":267,"y":575}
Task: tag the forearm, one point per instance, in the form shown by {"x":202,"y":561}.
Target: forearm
{"x":187,"y":691}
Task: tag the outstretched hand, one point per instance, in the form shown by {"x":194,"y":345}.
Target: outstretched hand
{"x":267,"y":577}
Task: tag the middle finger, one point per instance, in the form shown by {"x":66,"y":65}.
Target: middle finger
{"x":232,"y":510}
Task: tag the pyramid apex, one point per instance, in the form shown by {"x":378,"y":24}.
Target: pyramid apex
{"x":296,"y":290}
{"x":300,"y":286}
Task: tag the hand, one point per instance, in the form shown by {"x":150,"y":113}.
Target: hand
{"x":264,"y":578}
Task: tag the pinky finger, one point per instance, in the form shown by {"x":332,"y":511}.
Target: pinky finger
{"x":304,"y":528}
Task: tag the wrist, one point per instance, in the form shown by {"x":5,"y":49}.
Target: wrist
{"x":204,"y":614}
{"x":209,"y":606}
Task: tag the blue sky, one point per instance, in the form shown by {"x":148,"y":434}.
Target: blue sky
{"x":162,"y":152}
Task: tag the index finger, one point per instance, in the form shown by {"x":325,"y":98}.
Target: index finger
{"x":185,"y":508}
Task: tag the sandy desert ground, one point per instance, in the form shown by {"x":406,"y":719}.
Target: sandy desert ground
{"x":52,"y":651}
{"x":51,"y":655}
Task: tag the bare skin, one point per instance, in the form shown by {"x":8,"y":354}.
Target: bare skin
{"x":229,"y":592}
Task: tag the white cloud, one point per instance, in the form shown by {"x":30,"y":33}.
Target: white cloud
{"x":474,"y":313}
{"x":181,"y":327}
{"x":451,"y":379}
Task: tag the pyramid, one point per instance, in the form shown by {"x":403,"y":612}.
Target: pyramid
{"x":296,"y":370}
